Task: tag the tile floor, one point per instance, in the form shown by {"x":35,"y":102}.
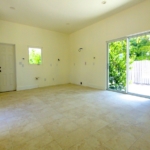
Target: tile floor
{"x":70,"y":117}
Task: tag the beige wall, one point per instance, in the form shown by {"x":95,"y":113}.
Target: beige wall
{"x":74,"y":66}
{"x":54,"y":45}
{"x":93,"y":41}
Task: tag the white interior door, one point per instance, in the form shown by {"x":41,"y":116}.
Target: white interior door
{"x":7,"y":68}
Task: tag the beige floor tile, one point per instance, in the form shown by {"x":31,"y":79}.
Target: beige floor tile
{"x":4,"y":126}
{"x":16,"y":123}
{"x":2,"y":114}
{"x":4,"y":136}
{"x":52,"y":146}
{"x":64,"y":108}
{"x":140,"y":144}
{"x":83,"y":121}
{"x":6,"y":145}
{"x":95,"y":144}
{"x":144,"y":120}
{"x":70,"y":116}
{"x":146,"y":136}
{"x":94,"y":126}
{"x":81,"y":146}
{"x":107,"y":133}
{"x":37,"y":143}
{"x":54,"y":117}
{"x":24,"y":128}
{"x":72,"y":138}
{"x":122,"y":141}
{"x":60,"y":127}
{"x":23,"y":138}
{"x":77,"y":113}
{"x":45,"y":112}
{"x":135,"y":130}
{"x":110,"y":117}
{"x":73,"y":117}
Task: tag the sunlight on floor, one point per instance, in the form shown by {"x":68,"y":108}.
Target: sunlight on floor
{"x":139,"y":89}
{"x":133,"y":98}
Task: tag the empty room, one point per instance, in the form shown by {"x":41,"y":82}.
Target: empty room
{"x":75,"y":75}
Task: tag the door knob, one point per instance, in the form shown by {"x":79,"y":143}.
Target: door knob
{"x":0,"y":71}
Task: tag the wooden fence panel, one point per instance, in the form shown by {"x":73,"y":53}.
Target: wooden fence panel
{"x":140,"y":72}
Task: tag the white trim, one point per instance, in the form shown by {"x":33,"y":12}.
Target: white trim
{"x":138,"y":34}
{"x":90,"y":85}
{"x":96,"y":86}
{"x":129,"y":36}
{"x":127,"y":64}
{"x":118,"y":39}
{"x":107,"y":61}
{"x":19,"y":88}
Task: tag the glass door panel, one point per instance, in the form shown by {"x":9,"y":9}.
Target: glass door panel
{"x":139,"y":65}
{"x":117,"y":65}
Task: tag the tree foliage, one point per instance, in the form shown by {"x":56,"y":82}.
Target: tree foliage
{"x":139,"y":50}
{"x":34,"y":57}
{"x":117,"y":65}
{"x":140,"y":47}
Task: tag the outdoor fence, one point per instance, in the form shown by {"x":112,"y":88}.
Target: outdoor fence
{"x":140,"y":72}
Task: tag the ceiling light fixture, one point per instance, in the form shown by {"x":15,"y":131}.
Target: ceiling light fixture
{"x":103,"y":2}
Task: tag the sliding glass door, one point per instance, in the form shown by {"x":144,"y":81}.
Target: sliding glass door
{"x":139,"y":69}
{"x":129,"y":65}
{"x":117,"y":65}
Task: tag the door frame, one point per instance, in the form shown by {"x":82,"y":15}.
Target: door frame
{"x":15,"y":69}
{"x":127,"y":63}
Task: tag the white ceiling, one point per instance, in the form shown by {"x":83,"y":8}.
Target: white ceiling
{"x":64,"y":16}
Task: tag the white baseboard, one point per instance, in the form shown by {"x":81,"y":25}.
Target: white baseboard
{"x":19,"y":88}
{"x":91,"y":85}
{"x":95,"y":86}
